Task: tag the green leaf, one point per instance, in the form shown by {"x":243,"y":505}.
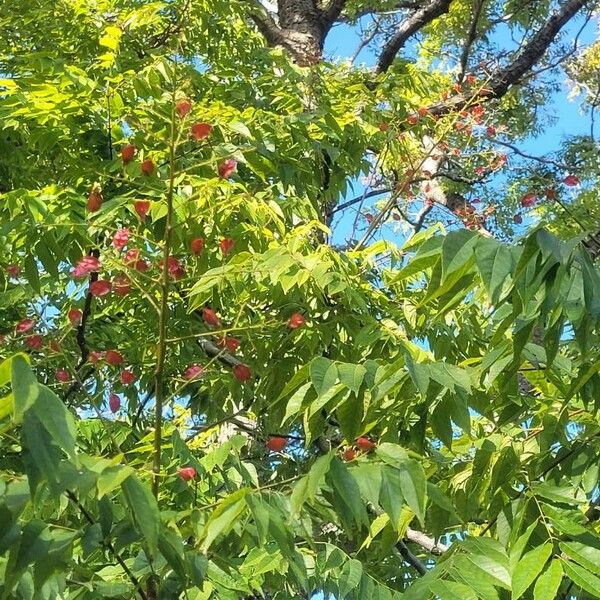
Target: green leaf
{"x":528,"y":568}
{"x":518,"y":547}
{"x":91,"y":539}
{"x":390,"y":495}
{"x":222,"y":578}
{"x":560,"y":494}
{"x":144,"y":511}
{"x":582,"y":577}
{"x":32,"y":547}
{"x":299,"y":377}
{"x":457,"y":251}
{"x":6,"y":406}
{"x":350,"y":414}
{"x":350,"y":577}
{"x":56,"y":419}
{"x":375,"y":528}
{"x":170,"y":545}
{"x":240,"y":128}
{"x":113,"y":589}
{"x":495,"y":264}
{"x":5,"y":369}
{"x":25,"y":386}
{"x":368,"y":477}
{"x":111,"y":478}
{"x":587,"y":556}
{"x":419,"y":373}
{"x":413,"y":484}
{"x":323,"y":374}
{"x":31,"y":270}
{"x":309,"y":485}
{"x":392,"y":454}
{"x":487,"y":561}
{"x":45,"y":455}
{"x":452,"y":590}
{"x":295,"y":402}
{"x":346,"y":494}
{"x":549,"y":581}
{"x":260,"y":513}
{"x":351,"y":376}
{"x":450,"y":376}
{"x":224,"y":517}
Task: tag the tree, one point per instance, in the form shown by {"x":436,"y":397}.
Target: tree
{"x":202,"y":396}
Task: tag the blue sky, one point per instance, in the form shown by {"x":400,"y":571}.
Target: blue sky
{"x":567,"y":119}
{"x":343,"y":41}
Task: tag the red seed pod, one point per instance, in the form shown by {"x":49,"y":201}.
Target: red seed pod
{"x":141,"y":207}
{"x":75,"y":315}
{"x":114,"y":357}
{"x":183,"y":108}
{"x":200,"y":131}
{"x":127,"y":153}
{"x":147,"y":167}
{"x":276,"y":444}
{"x":114,"y":403}
{"x":242,"y":373}
{"x":187,"y":473}
{"x":210,"y":317}
{"x":101,"y":287}
{"x":365,"y":444}
{"x":296,"y":320}
{"x":227,"y":168}
{"x":94,"y":201}
{"x":197,"y":245}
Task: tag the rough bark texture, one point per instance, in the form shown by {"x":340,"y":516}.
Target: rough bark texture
{"x":432,"y":188}
{"x":300,"y":27}
{"x":531,"y":53}
{"x":413,"y":24}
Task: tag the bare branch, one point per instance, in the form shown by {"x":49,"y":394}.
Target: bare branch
{"x":215,"y":352}
{"x":358,"y":199}
{"x":367,"y":39}
{"x":332,"y":11}
{"x":410,"y":558}
{"x":266,"y":25}
{"x":471,"y":37}
{"x":535,"y":49}
{"x":408,"y":28}
{"x":539,"y":159}
{"x":531,"y":53}
{"x":425,"y":542}
{"x":420,"y":219}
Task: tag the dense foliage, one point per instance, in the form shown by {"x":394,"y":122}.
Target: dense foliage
{"x":203,"y":396}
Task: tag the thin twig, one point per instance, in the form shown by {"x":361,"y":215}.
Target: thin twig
{"x":471,"y":37}
{"x":164,"y":305}
{"x":108,"y":545}
{"x":574,"y":450}
{"x":358,"y":199}
{"x":540,"y":159}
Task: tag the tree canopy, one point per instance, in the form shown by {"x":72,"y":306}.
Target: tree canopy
{"x":278,"y":323}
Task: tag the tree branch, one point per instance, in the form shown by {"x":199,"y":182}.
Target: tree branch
{"x":471,"y":37}
{"x":539,"y":159}
{"x":426,"y":542}
{"x":366,"y":40}
{"x":535,"y":49}
{"x":358,"y":199}
{"x":108,"y":545}
{"x":407,"y":29}
{"x":332,"y":11}
{"x":266,"y":25}
{"x":410,"y":558}
{"x":503,"y":79}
